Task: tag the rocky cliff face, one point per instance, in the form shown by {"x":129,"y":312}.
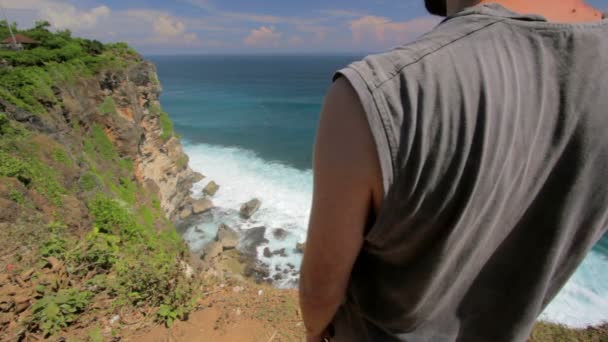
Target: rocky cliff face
{"x":126,"y":104}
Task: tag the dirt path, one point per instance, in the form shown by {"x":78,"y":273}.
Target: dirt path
{"x":234,"y":312}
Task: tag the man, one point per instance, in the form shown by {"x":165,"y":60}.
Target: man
{"x":461,"y":179}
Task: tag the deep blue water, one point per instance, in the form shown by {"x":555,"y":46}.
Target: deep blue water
{"x":267,"y":105}
{"x":249,"y":123}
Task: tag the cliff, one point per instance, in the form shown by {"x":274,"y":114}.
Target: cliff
{"x":92,"y":177}
{"x":125,"y":102}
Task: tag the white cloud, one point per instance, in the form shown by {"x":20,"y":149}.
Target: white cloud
{"x":263,"y":36}
{"x":384,"y":30}
{"x":60,"y":14}
{"x":168,"y":30}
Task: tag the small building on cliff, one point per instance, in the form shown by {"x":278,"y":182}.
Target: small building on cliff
{"x":19,"y":42}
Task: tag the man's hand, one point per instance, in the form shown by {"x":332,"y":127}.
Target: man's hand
{"x":347,"y":187}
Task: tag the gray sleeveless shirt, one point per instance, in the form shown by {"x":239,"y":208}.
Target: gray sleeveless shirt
{"x":492,"y":135}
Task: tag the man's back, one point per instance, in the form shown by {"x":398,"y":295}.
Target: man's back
{"x":490,"y":132}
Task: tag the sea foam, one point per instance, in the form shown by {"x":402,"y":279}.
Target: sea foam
{"x":286,"y":195}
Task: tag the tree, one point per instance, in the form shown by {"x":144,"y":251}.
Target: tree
{"x":42,"y":25}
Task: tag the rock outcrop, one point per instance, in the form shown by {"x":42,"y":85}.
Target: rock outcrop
{"x":250,"y":208}
{"x":227,"y":237}
{"x":136,"y":128}
{"x":211,"y":188}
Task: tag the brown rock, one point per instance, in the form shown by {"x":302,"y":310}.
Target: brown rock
{"x":211,"y":189}
{"x":212,"y":250}
{"x":227,"y":237}
{"x":267,"y":252}
{"x":250,"y":208}
{"x":201,"y":205}
{"x":300,"y":247}
{"x":279,"y":233}
{"x":197,"y":177}
{"x":252,"y":238}
{"x":185,"y":213}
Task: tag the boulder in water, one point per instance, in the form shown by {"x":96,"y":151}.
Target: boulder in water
{"x":267,"y":252}
{"x":300,"y":247}
{"x":197,"y":177}
{"x":227,"y":237}
{"x":211,"y":188}
{"x":279,"y":234}
{"x":250,"y":208}
{"x":280,"y":252}
{"x":252,"y":238}
{"x":200,"y":206}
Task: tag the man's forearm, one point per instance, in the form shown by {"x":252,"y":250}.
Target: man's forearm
{"x":318,"y":311}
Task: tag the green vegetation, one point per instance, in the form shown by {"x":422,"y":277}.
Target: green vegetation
{"x":60,"y":58}
{"x":548,"y":332}
{"x":33,"y":173}
{"x":55,"y":312}
{"x":17,"y":196}
{"x":166,"y":125}
{"x":99,"y":142}
{"x":110,"y":247}
{"x":108,"y":106}
{"x":61,"y":156}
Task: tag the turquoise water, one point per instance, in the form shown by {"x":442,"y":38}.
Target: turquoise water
{"x":248,"y":123}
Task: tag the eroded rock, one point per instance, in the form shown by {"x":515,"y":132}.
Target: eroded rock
{"x":211,"y":188}
{"x":250,"y":208}
{"x":252,"y":238}
{"x":227,"y":236}
{"x":212,"y":250}
{"x":200,"y":206}
{"x":279,"y":234}
{"x":280,"y":252}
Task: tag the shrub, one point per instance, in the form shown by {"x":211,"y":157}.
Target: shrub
{"x":166,"y":126}
{"x":52,"y":313}
{"x":61,"y":156}
{"x":99,"y":141}
{"x":30,"y":171}
{"x":108,"y":106}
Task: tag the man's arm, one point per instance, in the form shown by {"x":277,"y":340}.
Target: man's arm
{"x":347,"y":186}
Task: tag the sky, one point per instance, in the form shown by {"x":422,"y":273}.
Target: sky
{"x":237,"y":26}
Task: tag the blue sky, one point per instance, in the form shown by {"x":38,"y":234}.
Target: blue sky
{"x":237,"y":26}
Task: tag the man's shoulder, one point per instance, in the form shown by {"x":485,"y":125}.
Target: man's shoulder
{"x":438,"y":45}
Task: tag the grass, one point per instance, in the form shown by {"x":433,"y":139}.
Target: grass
{"x":61,"y":156}
{"x":166,"y":126}
{"x":98,"y":141}
{"x":108,"y":106}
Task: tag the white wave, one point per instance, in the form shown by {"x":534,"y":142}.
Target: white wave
{"x":286,"y":195}
{"x":584,"y":299}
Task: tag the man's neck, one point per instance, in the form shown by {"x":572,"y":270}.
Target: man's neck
{"x":564,"y":11}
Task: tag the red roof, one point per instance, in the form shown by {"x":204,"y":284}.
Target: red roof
{"x":20,"y":39}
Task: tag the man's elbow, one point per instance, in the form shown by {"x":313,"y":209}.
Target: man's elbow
{"x":320,"y":294}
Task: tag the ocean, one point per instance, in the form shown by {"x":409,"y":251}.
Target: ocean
{"x":248,"y":123}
